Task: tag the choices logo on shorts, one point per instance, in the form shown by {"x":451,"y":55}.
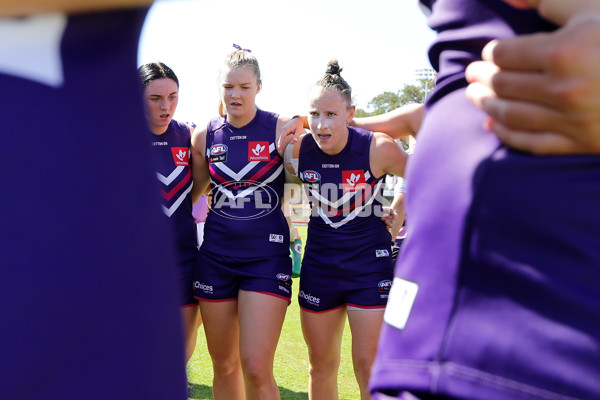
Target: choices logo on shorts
{"x":310,"y":299}
{"x":244,"y":200}
{"x":207,"y":289}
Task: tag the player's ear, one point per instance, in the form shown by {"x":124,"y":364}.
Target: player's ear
{"x":350,"y":115}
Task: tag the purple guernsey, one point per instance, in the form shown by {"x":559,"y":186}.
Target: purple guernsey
{"x":171,"y":152}
{"x":247,"y":182}
{"x":347,"y":258}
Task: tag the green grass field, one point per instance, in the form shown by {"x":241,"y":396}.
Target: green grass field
{"x":291,"y":360}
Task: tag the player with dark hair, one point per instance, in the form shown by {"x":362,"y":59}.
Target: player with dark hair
{"x":170,"y":143}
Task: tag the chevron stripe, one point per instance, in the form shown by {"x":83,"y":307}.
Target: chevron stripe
{"x":186,"y":180}
{"x":167,"y":180}
{"x":248,"y":190}
{"x":336,"y":204}
{"x":364,"y":194}
{"x":170,"y":210}
{"x":237,"y":176}
{"x":350,"y":216}
{"x":263,"y":171}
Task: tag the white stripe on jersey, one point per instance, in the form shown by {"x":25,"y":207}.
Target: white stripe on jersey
{"x":166,"y":180}
{"x":354,"y":212}
{"x":250,"y":189}
{"x":169,"y":211}
{"x":237,"y":176}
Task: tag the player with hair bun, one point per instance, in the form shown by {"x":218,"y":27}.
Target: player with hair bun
{"x":347,"y":266}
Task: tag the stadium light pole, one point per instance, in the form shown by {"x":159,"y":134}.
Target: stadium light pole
{"x":426,"y":74}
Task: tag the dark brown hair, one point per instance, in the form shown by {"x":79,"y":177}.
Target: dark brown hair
{"x":156,"y":70}
{"x":333,"y":80}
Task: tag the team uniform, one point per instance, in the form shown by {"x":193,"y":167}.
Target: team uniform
{"x":247,"y":181}
{"x":496,"y":290}
{"x":80,"y":216}
{"x":173,"y":170}
{"x":347,"y":259}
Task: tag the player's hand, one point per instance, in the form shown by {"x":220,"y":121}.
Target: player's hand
{"x":388,"y":217}
{"x":542,"y":91}
{"x":289,"y":133}
{"x":559,"y":11}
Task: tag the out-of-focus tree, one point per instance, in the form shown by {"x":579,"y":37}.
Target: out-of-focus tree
{"x":388,"y":101}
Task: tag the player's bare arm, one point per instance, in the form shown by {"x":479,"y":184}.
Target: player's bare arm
{"x":200,"y":173}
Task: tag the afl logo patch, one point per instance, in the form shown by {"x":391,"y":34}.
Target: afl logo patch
{"x":311,"y":176}
{"x":218,"y":153}
{"x":283,"y":277}
{"x":385,"y":285}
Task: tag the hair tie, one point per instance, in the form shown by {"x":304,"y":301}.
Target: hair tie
{"x":237,"y":46}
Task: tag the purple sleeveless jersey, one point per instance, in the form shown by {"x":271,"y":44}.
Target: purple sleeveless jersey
{"x":173,"y":171}
{"x":80,"y":215}
{"x":171,"y":152}
{"x":346,"y":199}
{"x":347,"y":258}
{"x":247,"y":181}
{"x":496,"y":295}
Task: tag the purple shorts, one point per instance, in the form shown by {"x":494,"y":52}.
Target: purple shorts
{"x":325,"y":286}
{"x":220,"y":278}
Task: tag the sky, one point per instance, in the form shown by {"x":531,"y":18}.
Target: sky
{"x":380,"y":44}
